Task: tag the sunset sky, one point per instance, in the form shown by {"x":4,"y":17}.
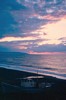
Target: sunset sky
{"x":33,"y":26}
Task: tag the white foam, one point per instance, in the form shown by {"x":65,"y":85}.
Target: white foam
{"x":34,"y":70}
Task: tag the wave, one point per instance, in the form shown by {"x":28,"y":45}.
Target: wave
{"x":37,"y":70}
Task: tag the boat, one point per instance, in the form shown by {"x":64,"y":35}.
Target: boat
{"x":31,"y":84}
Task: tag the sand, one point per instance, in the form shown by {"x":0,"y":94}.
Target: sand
{"x":58,"y":92}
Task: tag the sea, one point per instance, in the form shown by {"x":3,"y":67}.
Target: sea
{"x":47,"y":64}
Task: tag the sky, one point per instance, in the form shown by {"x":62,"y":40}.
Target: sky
{"x":33,"y":26}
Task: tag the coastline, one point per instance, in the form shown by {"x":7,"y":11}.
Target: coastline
{"x":59,"y":90}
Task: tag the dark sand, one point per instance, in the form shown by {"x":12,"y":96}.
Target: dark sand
{"x":57,"y":92}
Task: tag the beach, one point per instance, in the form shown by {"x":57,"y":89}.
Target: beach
{"x":58,"y":92}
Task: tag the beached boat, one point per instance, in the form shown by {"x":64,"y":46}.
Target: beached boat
{"x":32,"y":84}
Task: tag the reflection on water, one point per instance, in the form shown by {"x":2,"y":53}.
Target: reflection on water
{"x":46,"y":64}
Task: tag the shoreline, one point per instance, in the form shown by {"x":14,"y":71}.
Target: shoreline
{"x":14,"y":73}
{"x":59,"y":90}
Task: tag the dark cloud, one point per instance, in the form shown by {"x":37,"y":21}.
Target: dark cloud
{"x":8,"y":25}
{"x":42,"y":7}
{"x":50,"y":48}
{"x":8,"y":47}
{"x":62,"y":38}
{"x":17,"y":16}
{"x":21,"y":17}
{"x":14,"y":45}
{"x":27,"y":21}
{"x":32,"y":46}
{"x":6,"y":22}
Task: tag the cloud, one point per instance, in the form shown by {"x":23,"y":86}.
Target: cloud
{"x":63,"y":40}
{"x":23,"y":16}
{"x":32,"y":45}
{"x":6,"y":21}
{"x":50,"y":48}
{"x":9,"y":39}
{"x":20,"y":44}
{"x":37,"y":15}
{"x":44,"y":7}
{"x":8,"y":25}
{"x":37,"y":25}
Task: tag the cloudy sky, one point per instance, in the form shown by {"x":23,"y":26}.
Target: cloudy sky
{"x":33,"y":26}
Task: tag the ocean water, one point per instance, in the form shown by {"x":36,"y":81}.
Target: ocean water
{"x":51,"y":65}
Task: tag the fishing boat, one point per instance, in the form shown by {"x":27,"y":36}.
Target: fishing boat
{"x":31,"y":84}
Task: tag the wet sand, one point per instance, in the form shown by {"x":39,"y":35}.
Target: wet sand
{"x":57,"y":92}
